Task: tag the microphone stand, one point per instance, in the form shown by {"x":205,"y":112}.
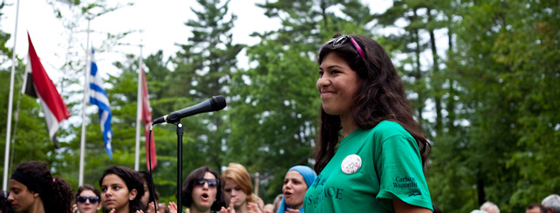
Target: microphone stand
{"x":179,"y":164}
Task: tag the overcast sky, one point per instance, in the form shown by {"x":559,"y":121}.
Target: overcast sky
{"x":157,"y":26}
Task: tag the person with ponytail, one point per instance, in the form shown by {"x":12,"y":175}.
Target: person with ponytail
{"x":33,"y":190}
{"x":371,"y":153}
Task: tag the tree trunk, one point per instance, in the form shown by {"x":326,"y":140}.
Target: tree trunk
{"x":418,"y":75}
{"x":437,"y":86}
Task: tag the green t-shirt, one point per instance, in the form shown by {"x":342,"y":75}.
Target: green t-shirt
{"x":369,"y":169}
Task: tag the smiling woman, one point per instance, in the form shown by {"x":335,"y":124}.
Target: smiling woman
{"x":121,"y":190}
{"x":376,"y":165}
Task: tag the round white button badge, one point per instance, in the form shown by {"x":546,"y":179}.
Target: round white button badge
{"x":351,"y":164}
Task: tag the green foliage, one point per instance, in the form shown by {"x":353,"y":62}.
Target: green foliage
{"x":273,"y":117}
{"x":503,"y":72}
{"x":529,"y":51}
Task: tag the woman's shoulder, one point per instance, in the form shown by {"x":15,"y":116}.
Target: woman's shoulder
{"x":387,"y":126}
{"x":386,"y":129}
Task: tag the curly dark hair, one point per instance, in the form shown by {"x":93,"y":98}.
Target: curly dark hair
{"x":381,"y":96}
{"x":188,"y":185}
{"x":57,"y":194}
{"x":132,"y":180}
{"x":5,"y":205}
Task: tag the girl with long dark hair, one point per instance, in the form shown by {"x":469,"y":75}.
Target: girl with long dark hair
{"x":376,"y":165}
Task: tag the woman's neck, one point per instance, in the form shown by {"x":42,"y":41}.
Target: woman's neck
{"x":242,"y":208}
{"x":348,"y":124}
{"x":124,"y":209}
{"x":297,"y":207}
{"x":37,"y":206}
{"x":195,"y":209}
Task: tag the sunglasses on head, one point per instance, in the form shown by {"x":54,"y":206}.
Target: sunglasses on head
{"x":83,"y":199}
{"x":213,"y":183}
{"x":343,"y":39}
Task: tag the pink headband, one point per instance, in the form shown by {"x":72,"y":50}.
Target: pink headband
{"x":342,"y":39}
{"x":357,"y":47}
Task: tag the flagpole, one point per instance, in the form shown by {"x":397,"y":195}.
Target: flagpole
{"x":138,"y":112}
{"x":84,"y":103}
{"x":10,"y":102}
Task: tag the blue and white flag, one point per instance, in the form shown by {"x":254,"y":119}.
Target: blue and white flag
{"x":98,"y":96}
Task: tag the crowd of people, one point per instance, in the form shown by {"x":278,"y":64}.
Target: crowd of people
{"x":123,"y":190}
{"x":370,"y":156}
{"x":34,"y":190}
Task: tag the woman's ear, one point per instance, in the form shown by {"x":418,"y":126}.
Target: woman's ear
{"x":99,"y":205}
{"x":132,"y":194}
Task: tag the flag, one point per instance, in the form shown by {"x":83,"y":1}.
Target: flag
{"x":98,"y":96}
{"x":38,"y":84}
{"x":147,"y":119}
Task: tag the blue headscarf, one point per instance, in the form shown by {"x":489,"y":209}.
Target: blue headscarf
{"x":308,"y":175}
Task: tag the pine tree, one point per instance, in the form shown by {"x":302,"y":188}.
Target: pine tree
{"x":204,"y":69}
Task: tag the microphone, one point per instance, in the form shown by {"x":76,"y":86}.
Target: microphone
{"x":214,"y":104}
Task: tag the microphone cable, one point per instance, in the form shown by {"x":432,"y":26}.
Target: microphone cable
{"x":152,"y":195}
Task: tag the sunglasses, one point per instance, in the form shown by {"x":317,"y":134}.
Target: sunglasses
{"x":83,"y":199}
{"x":212,"y":183}
{"x":343,"y":39}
